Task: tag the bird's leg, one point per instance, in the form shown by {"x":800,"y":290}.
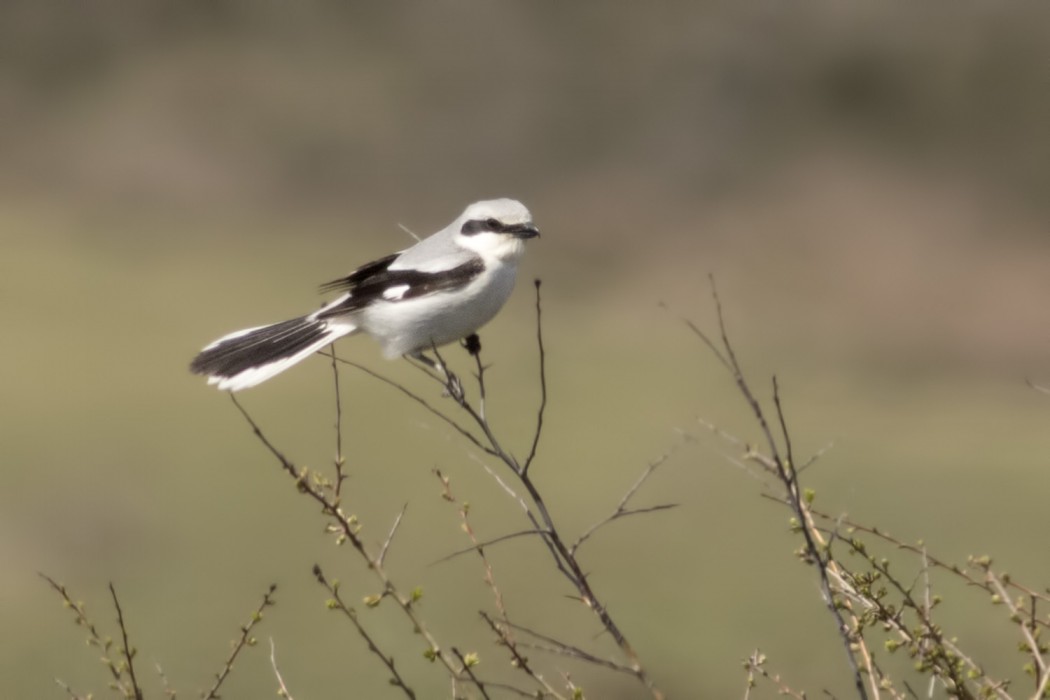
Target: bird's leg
{"x":453,"y":386}
{"x":432,"y":364}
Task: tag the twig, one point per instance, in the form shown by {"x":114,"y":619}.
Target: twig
{"x":126,"y":649}
{"x":543,"y":384}
{"x":95,"y":638}
{"x":563,"y":558}
{"x":539,"y":515}
{"x":340,"y":460}
{"x":390,"y":538}
{"x":73,"y":695}
{"x":756,"y":664}
{"x":505,"y":637}
{"x":424,"y":403}
{"x":563,"y":649}
{"x":349,"y":531}
{"x":168,"y":690}
{"x":336,"y":603}
{"x":243,"y":641}
{"x":933,"y":561}
{"x":282,"y":688}
{"x":621,"y":510}
{"x":1039,"y":664}
{"x":789,"y":453}
{"x":468,"y":669}
{"x":784,"y":469}
{"x":487,"y":543}
{"x":517,"y":659}
{"x":490,"y":575}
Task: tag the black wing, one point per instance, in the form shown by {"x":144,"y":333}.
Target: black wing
{"x":360,"y":275}
{"x":371,"y":283}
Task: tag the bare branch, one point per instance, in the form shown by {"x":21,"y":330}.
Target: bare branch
{"x":95,"y":638}
{"x":73,"y":695}
{"x":755,"y":664}
{"x":487,"y":543}
{"x":126,"y":651}
{"x":783,"y":468}
{"x":563,"y":649}
{"x":340,"y":460}
{"x":425,"y":404}
{"x":621,"y":509}
{"x":783,"y":426}
{"x":336,"y":603}
{"x":469,"y":670}
{"x":390,"y":538}
{"x":517,"y":659}
{"x":282,"y":689}
{"x":349,"y":532}
{"x":543,"y":384}
{"x":243,"y":641}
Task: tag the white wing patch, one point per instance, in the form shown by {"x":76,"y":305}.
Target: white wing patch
{"x":396,"y":292}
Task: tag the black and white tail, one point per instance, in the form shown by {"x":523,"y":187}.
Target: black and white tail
{"x":248,"y":357}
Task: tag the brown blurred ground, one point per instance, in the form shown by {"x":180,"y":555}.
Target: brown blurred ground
{"x":868,"y":183}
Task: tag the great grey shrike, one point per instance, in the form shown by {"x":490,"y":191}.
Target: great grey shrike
{"x":440,"y":290}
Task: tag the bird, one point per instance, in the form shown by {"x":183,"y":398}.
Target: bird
{"x":440,"y":290}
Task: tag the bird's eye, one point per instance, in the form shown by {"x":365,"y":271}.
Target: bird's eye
{"x":494,"y":224}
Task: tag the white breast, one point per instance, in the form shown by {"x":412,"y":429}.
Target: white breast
{"x":413,"y":325}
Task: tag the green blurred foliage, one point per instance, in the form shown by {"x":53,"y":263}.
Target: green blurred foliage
{"x":867,"y":181}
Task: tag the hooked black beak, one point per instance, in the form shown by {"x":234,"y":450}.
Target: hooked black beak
{"x":524,"y":230}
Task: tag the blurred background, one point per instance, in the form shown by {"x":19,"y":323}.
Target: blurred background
{"x":868,"y":182}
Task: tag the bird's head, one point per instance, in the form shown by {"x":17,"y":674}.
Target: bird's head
{"x":496,"y":228}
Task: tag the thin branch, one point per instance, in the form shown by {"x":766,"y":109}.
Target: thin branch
{"x":286,"y":464}
{"x":563,"y":649}
{"x":564,"y":560}
{"x":340,"y":460}
{"x":784,"y":470}
{"x":336,"y":603}
{"x":243,"y":641}
{"x":468,"y":669}
{"x":621,"y":510}
{"x":282,"y":690}
{"x":702,"y":336}
{"x":933,"y":561}
{"x":126,"y":649}
{"x":543,"y":383}
{"x":814,"y":457}
{"x":472,"y":344}
{"x":539,"y":516}
{"x":164,"y":684}
{"x":95,"y":638}
{"x":73,"y":695}
{"x":390,"y":538}
{"x":756,"y":664}
{"x":487,"y":543}
{"x":349,"y":531}
{"x":517,"y":659}
{"x":425,"y":404}
{"x":784,"y":429}
{"x":505,"y":637}
{"x":1039,"y":664}
{"x":531,"y":516}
